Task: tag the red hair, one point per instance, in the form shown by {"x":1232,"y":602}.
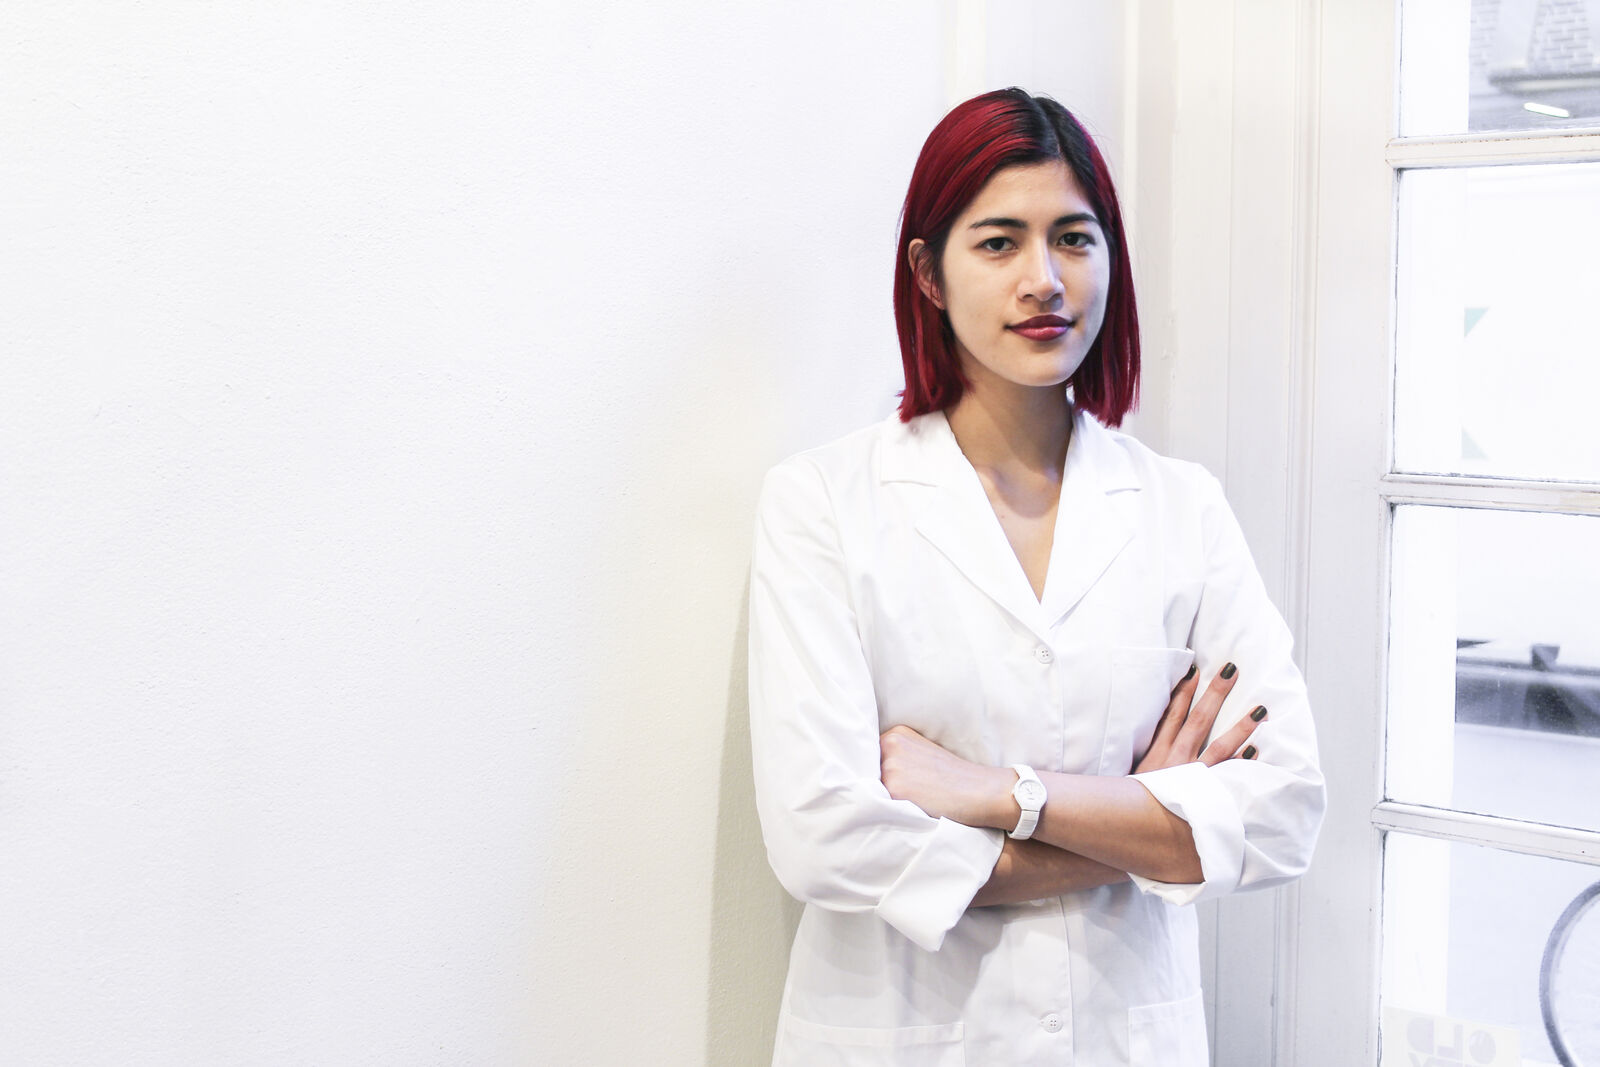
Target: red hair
{"x":1007,"y":128}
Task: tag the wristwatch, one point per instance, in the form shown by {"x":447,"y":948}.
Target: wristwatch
{"x":1030,"y":797}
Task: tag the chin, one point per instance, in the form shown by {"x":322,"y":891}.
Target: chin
{"x":1043,"y":383}
{"x":1058,"y":375}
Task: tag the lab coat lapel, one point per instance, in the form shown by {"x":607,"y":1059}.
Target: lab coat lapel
{"x":1094,"y":520}
{"x":953,"y":513}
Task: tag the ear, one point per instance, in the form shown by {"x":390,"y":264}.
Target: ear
{"x":922,"y":269}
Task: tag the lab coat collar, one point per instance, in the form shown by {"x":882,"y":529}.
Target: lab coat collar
{"x":1093,"y":519}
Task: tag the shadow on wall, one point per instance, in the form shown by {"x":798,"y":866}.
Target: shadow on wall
{"x":752,"y":918}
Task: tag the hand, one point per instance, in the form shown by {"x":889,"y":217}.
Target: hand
{"x":1186,"y":724}
{"x":943,"y":784}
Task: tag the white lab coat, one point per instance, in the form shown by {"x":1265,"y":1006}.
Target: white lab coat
{"x":883,"y":591}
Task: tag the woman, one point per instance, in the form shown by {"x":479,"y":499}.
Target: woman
{"x":976,"y":635}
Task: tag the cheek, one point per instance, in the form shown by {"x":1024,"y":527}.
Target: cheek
{"x":966,"y":300}
{"x":1099,"y":311}
{"x":1099,"y":283}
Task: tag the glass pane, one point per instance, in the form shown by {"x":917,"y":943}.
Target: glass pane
{"x":1465,"y":930}
{"x":1496,"y":368}
{"x":1494,"y":664}
{"x":1470,"y":65}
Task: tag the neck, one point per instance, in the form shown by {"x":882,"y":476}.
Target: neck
{"x":1019,"y":430}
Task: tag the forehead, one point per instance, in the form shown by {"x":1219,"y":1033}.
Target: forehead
{"x":1029,"y":192}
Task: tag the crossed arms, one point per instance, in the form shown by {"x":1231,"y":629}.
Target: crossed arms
{"x":1094,"y":829}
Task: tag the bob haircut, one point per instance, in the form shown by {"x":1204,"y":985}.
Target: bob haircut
{"x":1007,"y":128}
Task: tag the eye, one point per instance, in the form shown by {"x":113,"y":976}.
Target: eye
{"x":996,"y":244}
{"x":1077,"y":239}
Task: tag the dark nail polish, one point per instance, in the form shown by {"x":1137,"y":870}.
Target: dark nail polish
{"x":1191,"y":674}
{"x":1249,"y":752}
{"x":1229,"y":671}
{"x":1259,"y":714}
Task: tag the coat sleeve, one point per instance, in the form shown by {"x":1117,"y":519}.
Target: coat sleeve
{"x":834,"y":836}
{"x":1255,"y":822}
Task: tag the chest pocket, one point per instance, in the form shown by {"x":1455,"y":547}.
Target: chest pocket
{"x":1142,"y":680}
{"x":808,"y":1044}
{"x":1168,"y":1035}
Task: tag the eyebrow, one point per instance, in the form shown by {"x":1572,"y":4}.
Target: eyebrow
{"x":1018,"y":224}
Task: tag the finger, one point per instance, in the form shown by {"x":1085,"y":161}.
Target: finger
{"x":1227,"y":745}
{"x":1204,"y":712}
{"x":1188,"y":681}
{"x":1177,"y":711}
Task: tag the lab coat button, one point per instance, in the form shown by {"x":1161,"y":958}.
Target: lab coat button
{"x":1052,"y":1023}
{"x":1043,"y":654}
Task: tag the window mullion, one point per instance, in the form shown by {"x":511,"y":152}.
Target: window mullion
{"x":1571,"y":498}
{"x":1480,"y":150}
{"x":1511,"y":835}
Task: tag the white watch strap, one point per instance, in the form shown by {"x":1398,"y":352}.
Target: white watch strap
{"x":1029,"y":821}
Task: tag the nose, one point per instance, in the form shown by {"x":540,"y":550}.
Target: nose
{"x":1041,"y":275}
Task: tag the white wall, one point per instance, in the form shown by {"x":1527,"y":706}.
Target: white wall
{"x":386,"y":391}
{"x":1221,"y":154}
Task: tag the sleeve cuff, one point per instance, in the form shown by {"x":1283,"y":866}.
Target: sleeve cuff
{"x":1193,"y":794}
{"x":935,"y":888}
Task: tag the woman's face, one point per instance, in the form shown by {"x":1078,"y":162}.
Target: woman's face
{"x":1025,"y":272}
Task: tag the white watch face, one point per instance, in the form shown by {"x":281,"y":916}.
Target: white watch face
{"x":1030,"y":794}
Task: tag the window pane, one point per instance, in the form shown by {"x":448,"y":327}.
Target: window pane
{"x":1464,"y":932}
{"x":1494,"y":666}
{"x":1470,"y":65}
{"x":1497,"y":368}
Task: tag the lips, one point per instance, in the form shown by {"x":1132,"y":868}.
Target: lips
{"x":1042,"y":327}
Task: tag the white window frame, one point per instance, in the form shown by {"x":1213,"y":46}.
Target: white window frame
{"x":1353,"y":491}
{"x":1260,"y":166}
